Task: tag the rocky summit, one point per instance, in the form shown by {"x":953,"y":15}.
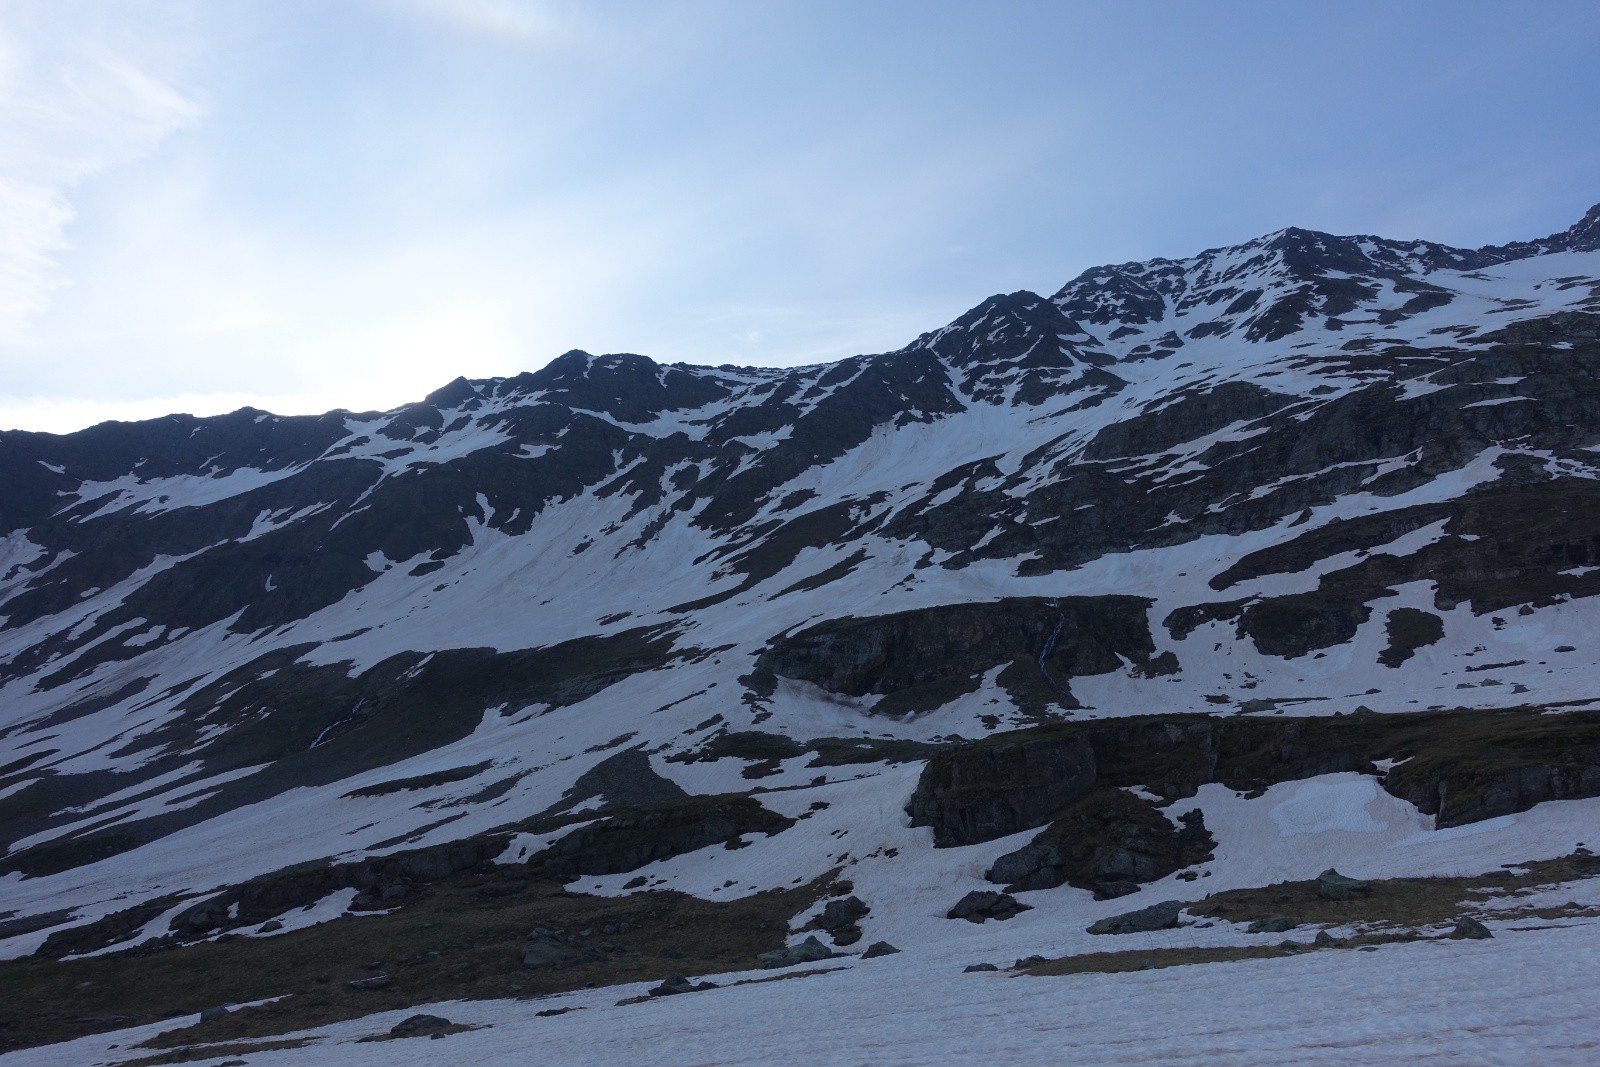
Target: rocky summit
{"x":1127,"y":609}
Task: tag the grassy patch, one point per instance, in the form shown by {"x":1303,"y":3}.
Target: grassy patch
{"x":214,"y":1052}
{"x":1396,"y":910}
{"x":463,"y":938}
{"x":1152,"y":959}
{"x":1394,"y":902}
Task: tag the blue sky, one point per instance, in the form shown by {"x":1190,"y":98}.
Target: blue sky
{"x":303,"y":205}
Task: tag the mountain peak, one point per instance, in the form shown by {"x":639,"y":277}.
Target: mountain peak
{"x":287,"y":675}
{"x":1584,"y":235}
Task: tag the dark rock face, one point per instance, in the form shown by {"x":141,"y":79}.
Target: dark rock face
{"x":1488,"y":794}
{"x":1290,"y":626}
{"x":625,"y":780}
{"x":980,"y":906}
{"x":1499,"y":764}
{"x":992,"y":791}
{"x":920,"y":658}
{"x":1461,"y":767}
{"x":1108,"y":842}
{"x":1192,"y":415}
{"x":626,"y":842}
{"x":1163,"y":916}
{"x":1018,"y":781}
{"x":1409,"y":630}
{"x":1508,"y":546}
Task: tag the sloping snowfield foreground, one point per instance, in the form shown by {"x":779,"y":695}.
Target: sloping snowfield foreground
{"x":1524,"y":997}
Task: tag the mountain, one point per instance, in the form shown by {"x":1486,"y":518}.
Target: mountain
{"x":1055,"y":598}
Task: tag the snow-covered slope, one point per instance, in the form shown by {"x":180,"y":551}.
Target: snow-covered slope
{"x":1300,"y":477}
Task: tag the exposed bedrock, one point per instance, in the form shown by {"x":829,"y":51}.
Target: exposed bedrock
{"x":385,"y":880}
{"x":1526,"y":539}
{"x":622,"y":841}
{"x":986,"y":792}
{"x":1189,"y":417}
{"x":1109,"y":842}
{"x":921,"y":658}
{"x":628,"y":841}
{"x":1461,"y":767}
{"x":310,"y":724}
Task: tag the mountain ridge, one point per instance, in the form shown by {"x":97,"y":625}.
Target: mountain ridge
{"x":613,"y":619}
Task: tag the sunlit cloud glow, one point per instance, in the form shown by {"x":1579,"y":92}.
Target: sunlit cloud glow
{"x":301,"y":206}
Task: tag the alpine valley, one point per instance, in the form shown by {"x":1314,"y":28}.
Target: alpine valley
{"x":1161,"y":643}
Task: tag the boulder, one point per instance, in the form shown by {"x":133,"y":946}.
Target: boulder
{"x":1276,"y":924}
{"x":672,"y":985}
{"x":971,"y":967}
{"x":1033,"y":866}
{"x":981,"y":905}
{"x":221,"y":1011}
{"x":879,"y":948}
{"x":841,"y":918}
{"x":808,"y":951}
{"x":1326,"y":940}
{"x":418,"y":1025}
{"x":677,"y":983}
{"x":1468,"y":927}
{"x":1331,"y":885}
{"x":842,"y":914}
{"x":1163,"y":916}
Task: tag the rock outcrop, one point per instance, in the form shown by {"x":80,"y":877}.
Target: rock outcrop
{"x":1163,"y":916}
{"x":919,"y":659}
{"x":981,"y":905}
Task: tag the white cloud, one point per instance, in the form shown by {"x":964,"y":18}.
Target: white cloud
{"x":522,"y":21}
{"x":79,"y":96}
{"x":479,"y":230}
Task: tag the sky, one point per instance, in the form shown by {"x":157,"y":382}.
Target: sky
{"x":307,"y":204}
